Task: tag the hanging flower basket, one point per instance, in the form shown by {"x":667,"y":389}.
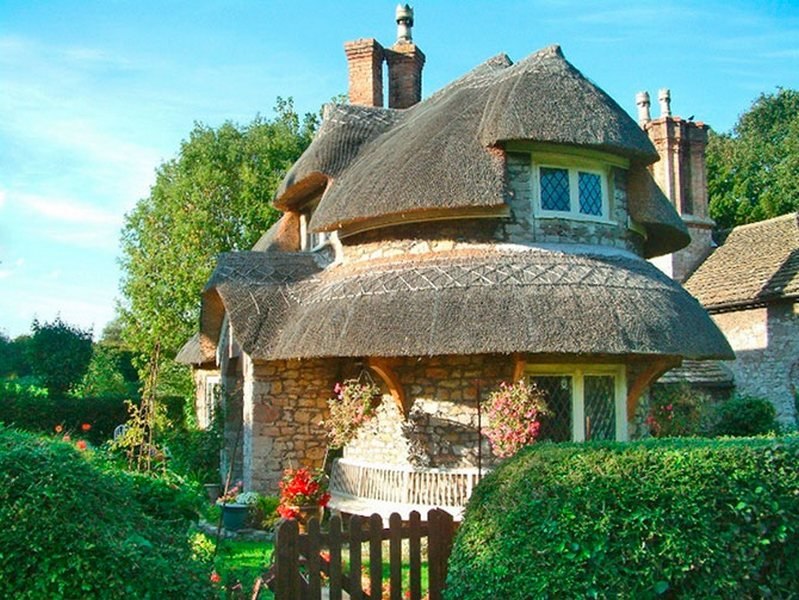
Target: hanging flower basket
{"x":514,"y":416}
{"x":355,"y":402}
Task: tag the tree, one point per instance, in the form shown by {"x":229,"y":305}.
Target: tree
{"x":213,"y":197}
{"x":59,"y":354}
{"x":752,"y":172}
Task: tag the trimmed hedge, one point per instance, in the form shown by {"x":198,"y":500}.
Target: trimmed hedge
{"x":34,"y":410}
{"x":74,"y":529}
{"x":659,"y":518}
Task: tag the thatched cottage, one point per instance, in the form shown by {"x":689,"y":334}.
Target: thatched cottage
{"x":495,"y":230}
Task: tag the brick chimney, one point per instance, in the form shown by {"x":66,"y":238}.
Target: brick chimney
{"x":365,"y":61}
{"x":682,"y":176}
{"x":405,"y":61}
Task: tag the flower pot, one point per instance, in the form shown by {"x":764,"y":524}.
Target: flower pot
{"x":306,"y":513}
{"x":234,"y":515}
{"x":213,"y":490}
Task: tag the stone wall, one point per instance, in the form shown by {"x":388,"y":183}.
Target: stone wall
{"x":283,"y":410}
{"x":766,"y":344}
{"x":441,"y":428}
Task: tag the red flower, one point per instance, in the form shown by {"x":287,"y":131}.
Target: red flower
{"x":81,"y":445}
{"x":215,"y":578}
{"x":85,"y":426}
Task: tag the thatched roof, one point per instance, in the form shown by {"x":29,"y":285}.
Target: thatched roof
{"x":705,"y":373}
{"x":487,"y":301}
{"x":194,"y":353}
{"x":758,"y":263}
{"x":444,"y":153}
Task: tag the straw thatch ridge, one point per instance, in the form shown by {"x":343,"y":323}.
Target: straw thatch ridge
{"x":758,"y":263}
{"x":446,"y":151}
{"x":532,"y":300}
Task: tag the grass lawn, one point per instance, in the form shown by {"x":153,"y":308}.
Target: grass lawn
{"x":240,"y":563}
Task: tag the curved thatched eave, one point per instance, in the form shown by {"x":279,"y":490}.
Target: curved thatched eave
{"x":544,"y":98}
{"x":297,"y":191}
{"x":254,"y":290}
{"x":534,"y":301}
{"x":649,"y":206}
{"x":196,"y":353}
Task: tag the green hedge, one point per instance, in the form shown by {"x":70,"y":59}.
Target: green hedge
{"x":34,"y":410}
{"x":74,"y":529}
{"x":671,"y":518}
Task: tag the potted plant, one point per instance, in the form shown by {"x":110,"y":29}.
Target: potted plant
{"x":234,"y":513}
{"x":514,"y":417}
{"x":354,"y":403}
{"x":303,"y":495}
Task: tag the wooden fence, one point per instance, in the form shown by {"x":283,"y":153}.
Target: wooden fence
{"x":304,"y":560}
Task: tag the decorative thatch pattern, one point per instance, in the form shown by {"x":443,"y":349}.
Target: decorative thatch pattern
{"x":705,"y":373}
{"x":444,"y":153}
{"x":532,"y":300}
{"x":758,"y":263}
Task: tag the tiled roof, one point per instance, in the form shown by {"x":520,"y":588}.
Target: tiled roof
{"x":709,"y":373}
{"x":758,"y":263}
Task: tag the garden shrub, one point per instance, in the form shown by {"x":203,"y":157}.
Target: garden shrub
{"x":745,"y":416}
{"x":676,"y":411}
{"x":33,"y":409}
{"x":194,"y":453}
{"x":672,"y":518}
{"x":72,"y":529}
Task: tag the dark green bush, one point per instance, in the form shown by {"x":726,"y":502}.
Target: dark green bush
{"x":745,"y":416}
{"x":671,"y":518}
{"x":73,"y":530}
{"x":194,"y":453}
{"x":33,"y":409}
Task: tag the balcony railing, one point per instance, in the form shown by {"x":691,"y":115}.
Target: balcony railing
{"x":359,"y":487}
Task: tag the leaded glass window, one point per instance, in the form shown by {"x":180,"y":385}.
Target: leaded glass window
{"x":580,"y":192}
{"x":590,"y":185}
{"x":557,"y":427}
{"x":587,"y":402}
{"x":600,"y":407}
{"x":555,"y":189}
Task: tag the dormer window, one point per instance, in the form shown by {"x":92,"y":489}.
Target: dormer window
{"x":564,"y":188}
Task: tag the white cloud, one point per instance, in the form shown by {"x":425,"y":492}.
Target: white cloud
{"x":5,"y":274}
{"x":68,"y":211}
{"x":19,"y":262}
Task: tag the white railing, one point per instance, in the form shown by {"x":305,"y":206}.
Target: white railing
{"x":402,"y":485}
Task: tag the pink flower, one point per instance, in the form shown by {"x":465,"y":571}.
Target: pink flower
{"x":215,"y":578}
{"x":80,"y":445}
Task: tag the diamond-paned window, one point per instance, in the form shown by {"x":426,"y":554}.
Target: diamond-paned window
{"x":590,"y":186}
{"x":580,"y":192}
{"x":600,"y":407}
{"x":586,"y":402}
{"x":557,"y":427}
{"x":555,"y":189}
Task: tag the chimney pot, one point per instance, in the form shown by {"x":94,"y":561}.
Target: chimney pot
{"x":642,"y":102}
{"x":404,"y":16}
{"x":664,"y":98}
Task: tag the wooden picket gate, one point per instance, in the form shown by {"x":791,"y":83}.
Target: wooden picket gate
{"x":302,"y":558}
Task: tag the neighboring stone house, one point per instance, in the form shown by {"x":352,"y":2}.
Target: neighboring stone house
{"x":750,"y":286}
{"x":498,"y":229}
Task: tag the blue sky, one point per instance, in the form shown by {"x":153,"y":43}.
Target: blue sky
{"x":94,"y":95}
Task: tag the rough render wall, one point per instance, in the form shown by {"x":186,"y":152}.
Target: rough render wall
{"x":284,"y":405}
{"x":766,"y":344}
